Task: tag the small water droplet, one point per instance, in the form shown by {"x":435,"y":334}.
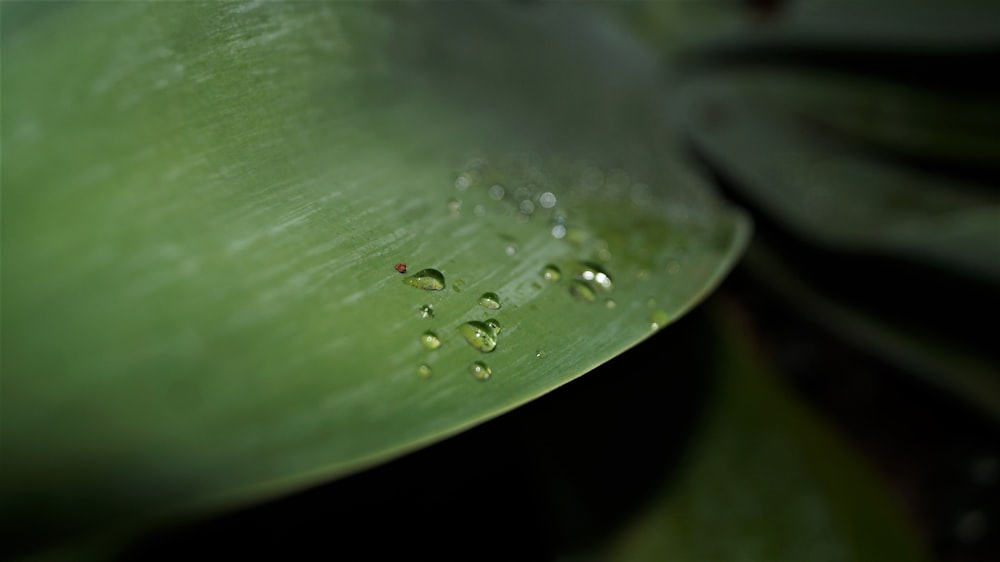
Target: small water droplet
{"x":490,"y":301}
{"x":479,"y":335}
{"x":479,"y":211}
{"x":430,"y":340}
{"x":540,"y":354}
{"x":593,"y":273}
{"x":547,"y":200}
{"x":582,"y":291}
{"x":427,"y":311}
{"x":510,"y":249}
{"x":658,"y":319}
{"x":457,"y":285}
{"x":426,"y":279}
{"x":551,"y":273}
{"x":494,"y":325}
{"x":480,"y":371}
{"x":610,"y":303}
{"x":454,"y":207}
{"x":424,"y":371}
{"x":463,"y":181}
{"x":526,"y":207}
{"x":497,"y":192}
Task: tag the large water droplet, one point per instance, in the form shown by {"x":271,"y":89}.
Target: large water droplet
{"x":430,"y":340}
{"x":582,"y":291}
{"x":480,"y":371}
{"x":426,"y":279}
{"x":427,"y":311}
{"x":658,"y":319}
{"x":479,"y":335}
{"x":424,"y":371}
{"x":490,"y":301}
{"x":494,"y":325}
{"x":551,"y":273}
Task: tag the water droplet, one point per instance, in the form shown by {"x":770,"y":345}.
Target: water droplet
{"x":582,"y":291}
{"x":462,"y":182}
{"x":494,"y":325}
{"x":480,"y":371}
{"x":559,"y":232}
{"x":426,"y":279}
{"x":510,"y":249}
{"x":424,"y":371}
{"x":540,"y":354}
{"x":490,"y":301}
{"x":457,"y":285}
{"x":454,"y":206}
{"x":658,"y":319}
{"x":526,"y":207}
{"x":594,"y":274}
{"x":479,"y":211}
{"x":547,"y":200}
{"x":479,"y":335}
{"x":610,"y":303}
{"x":551,"y":273}
{"x":497,"y":192}
{"x":427,"y":311}
{"x":430,"y":340}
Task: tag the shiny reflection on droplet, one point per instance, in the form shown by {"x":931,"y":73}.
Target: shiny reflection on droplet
{"x":559,"y":232}
{"x":424,"y":371}
{"x":540,"y":354}
{"x":547,"y":200}
{"x":658,"y":319}
{"x":551,"y":273}
{"x":480,"y":371}
{"x":610,"y":303}
{"x":426,"y":311}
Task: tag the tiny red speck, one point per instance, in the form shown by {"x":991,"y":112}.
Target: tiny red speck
{"x":401,"y":267}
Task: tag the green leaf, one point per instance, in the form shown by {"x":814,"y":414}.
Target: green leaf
{"x":749,"y":123}
{"x":767,"y":480}
{"x":204,"y":204}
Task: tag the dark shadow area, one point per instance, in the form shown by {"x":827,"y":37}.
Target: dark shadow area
{"x":940,"y":457}
{"x":554,"y":476}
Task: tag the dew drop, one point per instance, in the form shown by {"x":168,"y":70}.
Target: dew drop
{"x":558,"y":232}
{"x":454,"y":206}
{"x":479,"y":211}
{"x":426,"y":279}
{"x":462,"y":182}
{"x":430,"y":340}
{"x":480,"y":371}
{"x":582,"y":291}
{"x":547,"y":200}
{"x":494,"y":325}
{"x":610,"y":303}
{"x":551,"y":273}
{"x":658,"y":319}
{"x":594,"y":274}
{"x":479,"y":335}
{"x":510,"y":249}
{"x":540,"y":354}
{"x":490,"y":301}
{"x":424,"y":371}
{"x":427,"y":311}
{"x":497,"y":192}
